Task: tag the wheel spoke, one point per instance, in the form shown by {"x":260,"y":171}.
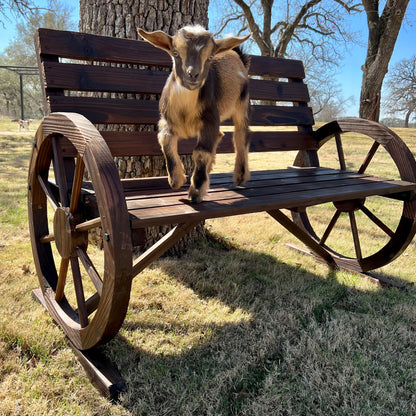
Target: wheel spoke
{"x":88,"y":225}
{"x":60,"y":176}
{"x":92,"y":303}
{"x":47,"y":238}
{"x":355,"y":236}
{"x":77,"y":184}
{"x":63,"y":271}
{"x":340,"y":151}
{"x":331,"y":225}
{"x":48,"y":192}
{"x":91,"y":270}
{"x":79,"y":292}
{"x":377,"y":221}
{"x":369,"y":157}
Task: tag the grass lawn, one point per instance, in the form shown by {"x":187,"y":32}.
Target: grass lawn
{"x":239,"y":325}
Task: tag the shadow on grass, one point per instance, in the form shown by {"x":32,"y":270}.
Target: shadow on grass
{"x":307,"y":345}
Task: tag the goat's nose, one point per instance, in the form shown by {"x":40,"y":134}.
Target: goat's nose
{"x":192,"y":73}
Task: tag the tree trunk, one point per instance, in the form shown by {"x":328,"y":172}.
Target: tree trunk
{"x":382,"y":35}
{"x":121,"y":18}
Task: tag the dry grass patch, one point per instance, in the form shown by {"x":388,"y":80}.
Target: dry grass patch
{"x":239,"y":325}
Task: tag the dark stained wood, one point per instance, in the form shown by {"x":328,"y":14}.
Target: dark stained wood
{"x":377,"y":221}
{"x":90,"y":269}
{"x":330,"y":227}
{"x":369,"y":157}
{"x":73,"y":45}
{"x":302,"y":235}
{"x":77,"y":77}
{"x":356,"y":237}
{"x":167,"y":206}
{"x":107,"y":111}
{"x":138,"y":143}
{"x":79,"y":292}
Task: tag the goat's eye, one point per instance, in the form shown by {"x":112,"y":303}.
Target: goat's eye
{"x":211,"y":58}
{"x":175,"y":53}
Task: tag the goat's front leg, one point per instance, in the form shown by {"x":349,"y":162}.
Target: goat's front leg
{"x":169,"y":144}
{"x":241,"y":139}
{"x":204,"y":158}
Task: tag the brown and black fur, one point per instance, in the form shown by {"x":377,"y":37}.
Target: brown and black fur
{"x":208,"y":84}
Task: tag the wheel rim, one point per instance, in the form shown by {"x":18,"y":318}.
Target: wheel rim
{"x":387,"y":239}
{"x":86,"y":292}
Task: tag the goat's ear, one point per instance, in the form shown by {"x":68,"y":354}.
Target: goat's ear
{"x":229,"y":42}
{"x":159,"y":39}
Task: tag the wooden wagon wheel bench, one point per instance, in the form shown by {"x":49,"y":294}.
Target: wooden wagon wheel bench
{"x":85,"y":290}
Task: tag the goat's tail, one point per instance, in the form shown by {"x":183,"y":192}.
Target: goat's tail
{"x":245,"y":58}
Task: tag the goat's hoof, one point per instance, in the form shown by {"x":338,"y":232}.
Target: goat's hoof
{"x":241,"y":177}
{"x":195,"y":195}
{"x":177,"y":181}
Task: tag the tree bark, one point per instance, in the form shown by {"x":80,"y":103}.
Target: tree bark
{"x":382,"y":35}
{"x":121,"y":18}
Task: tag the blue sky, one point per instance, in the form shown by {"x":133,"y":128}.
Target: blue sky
{"x":349,"y":73}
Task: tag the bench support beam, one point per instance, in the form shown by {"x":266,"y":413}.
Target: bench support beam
{"x":318,"y":250}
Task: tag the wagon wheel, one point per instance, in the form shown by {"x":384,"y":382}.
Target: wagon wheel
{"x":85,"y":290}
{"x":392,"y":222}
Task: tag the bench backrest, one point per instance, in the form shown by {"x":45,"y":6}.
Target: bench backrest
{"x":117,"y":81}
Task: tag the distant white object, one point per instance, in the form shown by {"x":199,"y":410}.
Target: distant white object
{"x":24,"y":124}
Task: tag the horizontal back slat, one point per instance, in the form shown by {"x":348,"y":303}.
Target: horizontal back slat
{"x":277,"y":67}
{"x":87,"y":47}
{"x":81,"y":46}
{"x":145,"y":143}
{"x":75,"y":77}
{"x":117,"y":111}
{"x":109,"y":111}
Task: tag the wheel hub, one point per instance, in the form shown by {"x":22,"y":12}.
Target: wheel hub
{"x":67,"y":239}
{"x":350,"y":205}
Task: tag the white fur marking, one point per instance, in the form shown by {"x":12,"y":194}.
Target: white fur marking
{"x":195,"y":29}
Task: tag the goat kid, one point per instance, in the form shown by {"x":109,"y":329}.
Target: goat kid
{"x":208,"y":84}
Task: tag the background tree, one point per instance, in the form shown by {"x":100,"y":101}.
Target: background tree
{"x":280,"y":28}
{"x":310,"y":30}
{"x":382,"y":35}
{"x":21,"y":52}
{"x":121,"y":18}
{"x":401,"y":84}
{"x":19,"y":8}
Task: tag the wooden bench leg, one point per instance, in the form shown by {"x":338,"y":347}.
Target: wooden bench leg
{"x":303,"y":236}
{"x":102,"y":374}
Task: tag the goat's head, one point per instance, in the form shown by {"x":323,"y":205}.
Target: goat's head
{"x":192,"y":49}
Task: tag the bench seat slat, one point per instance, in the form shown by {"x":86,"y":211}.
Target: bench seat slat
{"x":76,"y":77}
{"x":290,"y":188}
{"x":120,"y":111}
{"x":160,"y":183}
{"x":223,"y":192}
{"x":238,"y":204}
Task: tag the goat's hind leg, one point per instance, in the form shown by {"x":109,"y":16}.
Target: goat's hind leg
{"x":174,"y":165}
{"x":241,"y":138}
